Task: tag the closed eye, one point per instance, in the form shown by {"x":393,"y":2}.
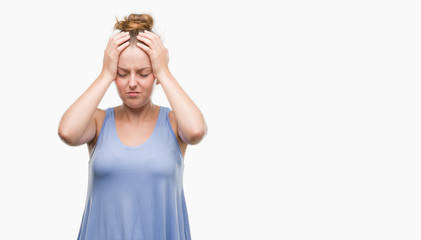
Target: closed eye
{"x":121,"y":75}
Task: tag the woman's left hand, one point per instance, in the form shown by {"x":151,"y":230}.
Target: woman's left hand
{"x":158,"y":54}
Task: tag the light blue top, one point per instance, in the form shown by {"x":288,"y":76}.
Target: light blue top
{"x":135,"y":193}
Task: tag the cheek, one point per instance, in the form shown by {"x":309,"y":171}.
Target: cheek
{"x":143,"y":82}
{"x":121,"y":82}
{"x":119,"y":85}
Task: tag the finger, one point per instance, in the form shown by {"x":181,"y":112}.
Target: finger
{"x":116,"y":36}
{"x":145,"y":35}
{"x":143,"y":47}
{"x":122,"y":33}
{"x":157,"y":40}
{"x":154,"y":37}
{"x":119,"y":35}
{"x":122,"y":46}
{"x":122,"y":39}
{"x":145,"y":40}
{"x":160,"y":43}
{"x":150,"y":33}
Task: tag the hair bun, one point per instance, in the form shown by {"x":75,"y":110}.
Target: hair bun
{"x":135,"y":23}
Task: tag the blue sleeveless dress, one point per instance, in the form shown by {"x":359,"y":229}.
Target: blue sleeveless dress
{"x":135,"y":193}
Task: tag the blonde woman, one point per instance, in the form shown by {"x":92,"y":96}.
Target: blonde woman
{"x":137,"y":149}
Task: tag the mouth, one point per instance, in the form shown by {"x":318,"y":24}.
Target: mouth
{"x":133,"y":93}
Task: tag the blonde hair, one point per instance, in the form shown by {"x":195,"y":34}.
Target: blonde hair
{"x":135,"y":23}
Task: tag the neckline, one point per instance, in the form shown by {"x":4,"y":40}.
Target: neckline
{"x":142,"y":144}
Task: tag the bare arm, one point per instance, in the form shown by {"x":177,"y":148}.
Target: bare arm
{"x":191,"y":123}
{"x":78,"y":124}
{"x":192,"y":126}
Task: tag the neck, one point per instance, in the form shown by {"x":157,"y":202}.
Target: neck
{"x":136,"y":115}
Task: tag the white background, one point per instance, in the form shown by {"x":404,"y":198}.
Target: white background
{"x":313,"y":109}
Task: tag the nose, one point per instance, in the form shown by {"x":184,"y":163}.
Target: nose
{"x":132,"y":81}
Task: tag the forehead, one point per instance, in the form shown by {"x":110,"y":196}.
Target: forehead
{"x":133,"y":58}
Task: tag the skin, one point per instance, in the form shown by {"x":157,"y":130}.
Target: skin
{"x":135,"y":74}
{"x":137,"y":114}
{"x":136,"y":117}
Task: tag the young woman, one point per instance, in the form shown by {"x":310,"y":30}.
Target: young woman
{"x":137,"y":149}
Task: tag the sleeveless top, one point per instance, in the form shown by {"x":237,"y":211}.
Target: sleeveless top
{"x":135,"y":192}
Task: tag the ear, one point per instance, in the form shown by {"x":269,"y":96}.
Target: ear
{"x":157,"y":81}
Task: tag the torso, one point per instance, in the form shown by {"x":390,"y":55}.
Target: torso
{"x":126,"y":134}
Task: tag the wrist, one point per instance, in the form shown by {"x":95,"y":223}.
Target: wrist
{"x":163,"y":74}
{"x":106,"y":76}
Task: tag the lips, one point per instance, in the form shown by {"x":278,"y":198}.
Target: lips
{"x":133,"y":94}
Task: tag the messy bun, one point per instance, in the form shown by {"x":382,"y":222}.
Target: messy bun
{"x":135,"y":23}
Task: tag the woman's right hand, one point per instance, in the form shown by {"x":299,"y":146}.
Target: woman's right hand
{"x":112,"y":53}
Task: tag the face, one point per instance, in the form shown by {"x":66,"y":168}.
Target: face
{"x":134,"y":74}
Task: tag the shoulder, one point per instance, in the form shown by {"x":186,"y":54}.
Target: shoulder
{"x":174,"y":126}
{"x":99,"y":115}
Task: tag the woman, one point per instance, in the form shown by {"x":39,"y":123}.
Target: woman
{"x":137,"y":149}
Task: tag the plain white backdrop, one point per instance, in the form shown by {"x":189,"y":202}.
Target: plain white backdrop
{"x":313,"y":109}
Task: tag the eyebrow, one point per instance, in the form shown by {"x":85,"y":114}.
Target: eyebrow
{"x":135,"y":69}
